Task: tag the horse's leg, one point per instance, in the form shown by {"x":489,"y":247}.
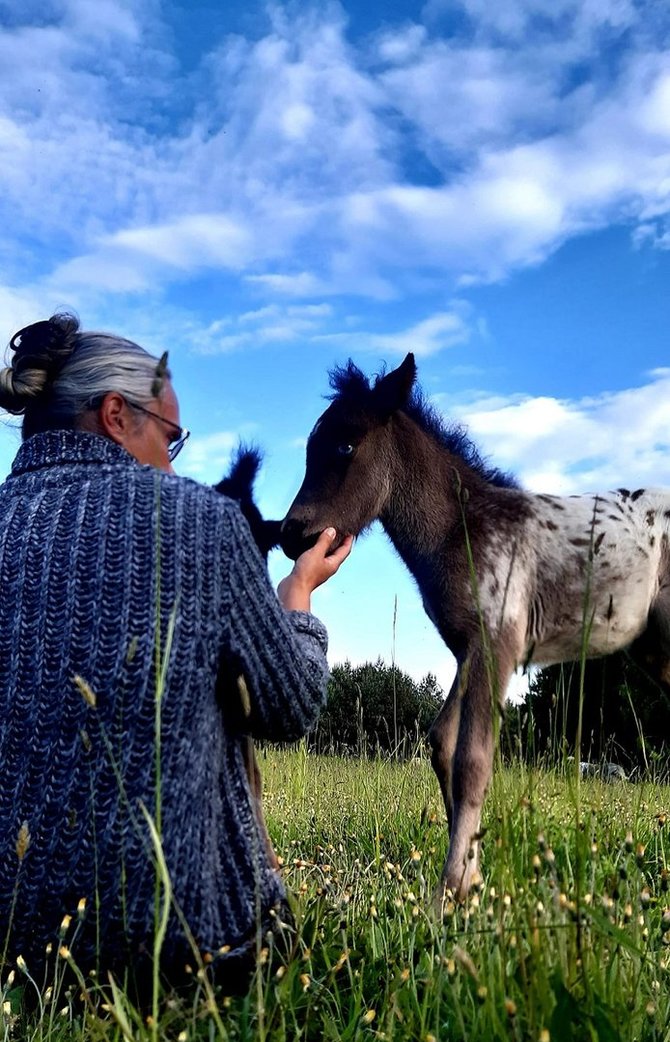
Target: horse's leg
{"x":659,"y":625}
{"x":652,"y":649}
{"x":442,"y":736}
{"x":484,"y":687}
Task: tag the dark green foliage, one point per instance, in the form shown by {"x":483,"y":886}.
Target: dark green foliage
{"x":376,"y":707}
{"x":625,"y":714}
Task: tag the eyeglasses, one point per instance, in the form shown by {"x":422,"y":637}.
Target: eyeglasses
{"x":182,"y":435}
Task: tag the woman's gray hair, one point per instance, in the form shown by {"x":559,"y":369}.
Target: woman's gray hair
{"x":58,"y":373}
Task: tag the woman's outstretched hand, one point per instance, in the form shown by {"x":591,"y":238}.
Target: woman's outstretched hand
{"x":312,"y":569}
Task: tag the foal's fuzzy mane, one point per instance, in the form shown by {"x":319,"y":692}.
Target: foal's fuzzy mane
{"x":349,"y":383}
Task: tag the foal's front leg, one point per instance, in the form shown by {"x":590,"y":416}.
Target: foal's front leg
{"x":483,"y":689}
{"x":443,"y":737}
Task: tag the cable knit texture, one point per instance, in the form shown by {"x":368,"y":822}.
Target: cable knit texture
{"x":100,"y":559}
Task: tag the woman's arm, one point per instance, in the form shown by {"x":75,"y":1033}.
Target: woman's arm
{"x":274,"y":642}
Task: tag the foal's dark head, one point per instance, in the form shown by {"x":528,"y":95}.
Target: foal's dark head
{"x":346,"y":479}
{"x":358,"y":452}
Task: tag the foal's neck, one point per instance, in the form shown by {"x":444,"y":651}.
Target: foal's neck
{"x":427,"y":486}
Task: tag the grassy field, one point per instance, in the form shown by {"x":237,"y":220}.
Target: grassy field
{"x":568,"y":937}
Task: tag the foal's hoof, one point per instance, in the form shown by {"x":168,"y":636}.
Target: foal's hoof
{"x":448,"y":894}
{"x":442,"y":902}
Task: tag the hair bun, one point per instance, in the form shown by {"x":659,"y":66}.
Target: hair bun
{"x":40,"y":352}
{"x":45,"y":345}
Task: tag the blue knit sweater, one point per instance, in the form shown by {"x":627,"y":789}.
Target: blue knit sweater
{"x":107,"y":567}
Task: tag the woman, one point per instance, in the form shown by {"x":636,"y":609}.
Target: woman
{"x":127,"y":596}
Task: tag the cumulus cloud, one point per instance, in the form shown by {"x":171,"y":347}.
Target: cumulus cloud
{"x":577,"y":21}
{"x":298,"y":284}
{"x":520,"y":197}
{"x":208,"y":455}
{"x":569,"y":446}
{"x":311,"y":163}
{"x":274,"y":323}
{"x":133,"y":258}
{"x":428,"y":336}
{"x":322,"y":323}
{"x":18,"y":307}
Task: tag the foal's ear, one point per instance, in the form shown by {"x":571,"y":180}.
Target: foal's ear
{"x":393,"y":390}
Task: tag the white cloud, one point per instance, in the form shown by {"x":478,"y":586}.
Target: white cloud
{"x":654,"y":233}
{"x":459,"y":98}
{"x":586,"y":445}
{"x":133,"y":258}
{"x":401,"y":45}
{"x":18,"y":307}
{"x":297,"y":160}
{"x":516,"y":203}
{"x":427,"y":337}
{"x":103,"y":20}
{"x":274,"y":323}
{"x":516,"y":20}
{"x":194,"y":241}
{"x":301,"y":284}
{"x":208,"y":456}
{"x":430,"y":335}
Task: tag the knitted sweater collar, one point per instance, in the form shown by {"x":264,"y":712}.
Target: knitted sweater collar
{"x":54,"y":448}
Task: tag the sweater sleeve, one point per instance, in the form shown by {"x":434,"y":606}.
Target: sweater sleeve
{"x":280,"y":654}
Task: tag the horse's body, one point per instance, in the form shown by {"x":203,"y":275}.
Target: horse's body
{"x":574,"y":566}
{"x":507,"y":577}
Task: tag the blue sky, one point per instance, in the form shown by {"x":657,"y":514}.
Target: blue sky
{"x":268,"y":190}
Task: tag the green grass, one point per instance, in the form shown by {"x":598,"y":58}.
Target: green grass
{"x":568,"y":937}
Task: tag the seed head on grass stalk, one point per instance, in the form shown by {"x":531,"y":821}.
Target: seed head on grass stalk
{"x":23,"y":841}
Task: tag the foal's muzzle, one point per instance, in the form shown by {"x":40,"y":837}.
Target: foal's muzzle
{"x":293,"y":540}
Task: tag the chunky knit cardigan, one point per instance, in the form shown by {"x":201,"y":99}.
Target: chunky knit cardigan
{"x":115,"y":573}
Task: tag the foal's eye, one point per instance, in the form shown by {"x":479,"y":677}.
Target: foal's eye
{"x":345,"y":449}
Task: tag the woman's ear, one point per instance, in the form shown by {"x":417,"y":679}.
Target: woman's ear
{"x":114,"y":417}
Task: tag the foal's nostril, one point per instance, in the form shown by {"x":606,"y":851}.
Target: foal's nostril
{"x":290,"y":529}
{"x":291,"y":538}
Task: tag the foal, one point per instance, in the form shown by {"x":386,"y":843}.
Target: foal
{"x":506,"y":576}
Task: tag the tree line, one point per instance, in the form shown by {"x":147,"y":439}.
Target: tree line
{"x":616,"y":711}
{"x":374,"y":708}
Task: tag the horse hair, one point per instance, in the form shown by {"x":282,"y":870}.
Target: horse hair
{"x":348,"y":381}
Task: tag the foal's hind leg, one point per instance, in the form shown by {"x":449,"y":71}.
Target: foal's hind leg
{"x":652,"y":649}
{"x":483,"y":691}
